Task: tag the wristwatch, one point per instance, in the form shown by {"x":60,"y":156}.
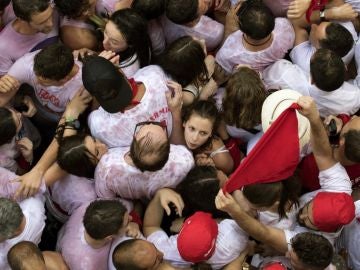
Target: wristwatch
{"x":73,"y":123}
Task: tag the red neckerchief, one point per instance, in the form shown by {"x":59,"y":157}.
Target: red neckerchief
{"x":134,"y":90}
{"x":315,"y":5}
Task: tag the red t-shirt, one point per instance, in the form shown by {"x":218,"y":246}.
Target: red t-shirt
{"x":309,"y":173}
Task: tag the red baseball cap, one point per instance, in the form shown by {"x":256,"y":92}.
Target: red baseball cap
{"x":331,"y":210}
{"x":197,"y":238}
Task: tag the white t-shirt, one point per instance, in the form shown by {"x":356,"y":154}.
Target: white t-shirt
{"x":230,"y":242}
{"x":130,"y":66}
{"x":34,"y":213}
{"x":117,"y":129}
{"x":13,"y":45}
{"x":283,"y":74}
{"x":55,"y":98}
{"x":334,"y":179}
{"x":233,"y":52}
{"x":301,"y":54}
{"x":206,"y":28}
{"x":349,"y":240}
{"x":8,"y":14}
{"x":77,"y":253}
{"x":114,"y":177}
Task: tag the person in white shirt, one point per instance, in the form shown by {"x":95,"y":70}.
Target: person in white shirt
{"x":319,"y":212}
{"x":149,"y":164}
{"x":216,"y":244}
{"x":187,"y":18}
{"x":20,"y":221}
{"x":54,"y":75}
{"x":85,"y":239}
{"x":261,"y":40}
{"x":130,"y":102}
{"x":35,"y":27}
{"x":326,"y":85}
{"x":336,"y":36}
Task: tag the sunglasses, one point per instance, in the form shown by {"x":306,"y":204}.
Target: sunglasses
{"x":160,"y":124}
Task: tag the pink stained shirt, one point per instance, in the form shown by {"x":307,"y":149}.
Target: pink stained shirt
{"x":233,"y":52}
{"x":153,"y":107}
{"x":55,"y":98}
{"x":208,"y":29}
{"x":14,"y":45}
{"x":115,"y":177}
{"x":77,"y":253}
{"x":73,"y":191}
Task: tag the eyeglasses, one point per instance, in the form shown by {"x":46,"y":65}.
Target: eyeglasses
{"x":141,"y":124}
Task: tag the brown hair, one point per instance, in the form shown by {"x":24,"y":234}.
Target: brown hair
{"x":244,"y":96}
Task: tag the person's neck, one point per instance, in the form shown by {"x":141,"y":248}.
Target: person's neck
{"x":339,"y":156}
{"x":139,"y":95}
{"x":96,"y":244}
{"x":257,"y":45}
{"x":73,"y":72}
{"x":23,"y":27}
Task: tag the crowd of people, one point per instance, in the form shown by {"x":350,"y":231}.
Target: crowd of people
{"x":236,"y":118}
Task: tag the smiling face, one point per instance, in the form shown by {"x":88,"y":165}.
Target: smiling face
{"x":113,"y":38}
{"x":197,"y":130}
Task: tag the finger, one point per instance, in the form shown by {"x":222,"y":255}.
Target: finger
{"x":167,"y":209}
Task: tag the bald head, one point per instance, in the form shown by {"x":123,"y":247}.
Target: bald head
{"x":136,"y":254}
{"x":26,"y":256}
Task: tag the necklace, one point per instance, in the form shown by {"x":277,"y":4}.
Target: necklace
{"x":257,"y":45}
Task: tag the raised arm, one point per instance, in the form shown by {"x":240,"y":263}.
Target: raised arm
{"x":319,"y":140}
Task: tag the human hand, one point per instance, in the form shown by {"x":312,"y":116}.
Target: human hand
{"x":82,"y":53}
{"x":29,"y":183}
{"x":209,"y":89}
{"x":308,"y":108}
{"x":167,"y":196}
{"x":78,"y":104}
{"x":111,"y":56}
{"x":30,"y":105}
{"x":297,"y":8}
{"x":174,"y":97}
{"x":25,"y":147}
{"x":344,"y":12}
{"x":133,"y":230}
{"x":204,"y":160}
{"x":226,"y":202}
{"x":8,"y":84}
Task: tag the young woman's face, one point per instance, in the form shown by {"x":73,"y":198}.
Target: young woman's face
{"x":113,"y":38}
{"x":197,"y":130}
{"x":95,"y":147}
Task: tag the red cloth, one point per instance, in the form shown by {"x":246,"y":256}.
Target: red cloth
{"x":274,"y":157}
{"x":233,"y":146}
{"x":315,"y":5}
{"x":309,"y":173}
{"x":136,"y":218}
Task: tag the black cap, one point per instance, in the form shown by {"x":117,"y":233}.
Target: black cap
{"x":106,"y":83}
